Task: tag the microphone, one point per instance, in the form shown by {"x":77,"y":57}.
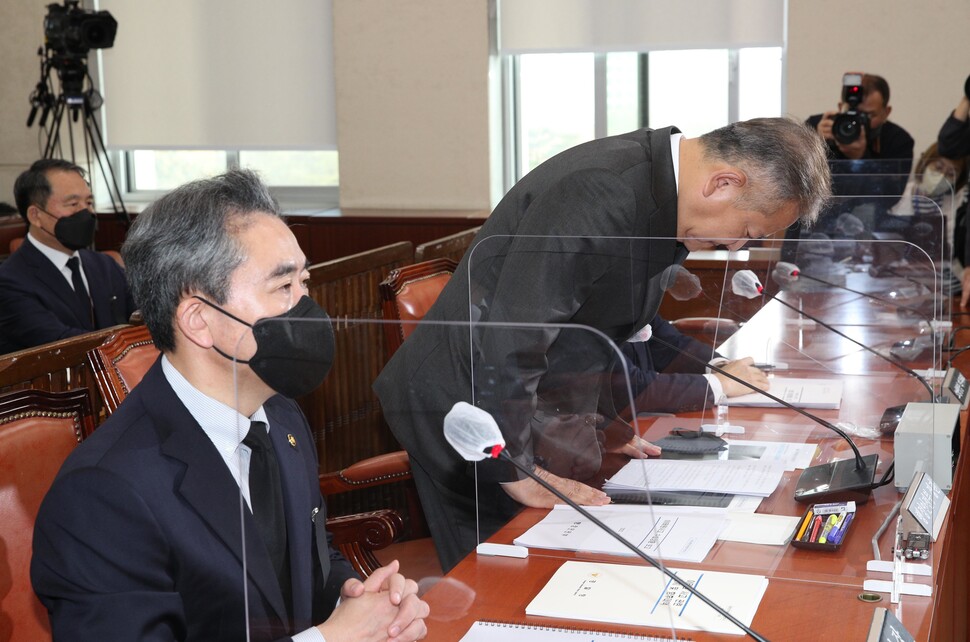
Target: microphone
{"x":786,"y":274}
{"x":746,"y":284}
{"x":680,"y":283}
{"x":475,"y":435}
{"x":840,"y":480}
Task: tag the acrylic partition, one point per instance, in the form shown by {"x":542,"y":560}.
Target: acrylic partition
{"x":889,"y":201}
{"x":533,"y":346}
{"x":846,"y":330}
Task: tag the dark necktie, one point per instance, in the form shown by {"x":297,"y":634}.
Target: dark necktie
{"x":266,"y":498}
{"x":80,"y":291}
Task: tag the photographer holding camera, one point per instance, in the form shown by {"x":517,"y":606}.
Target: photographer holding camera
{"x":861,"y":127}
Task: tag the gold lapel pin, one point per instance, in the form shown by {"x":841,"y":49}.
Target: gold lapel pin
{"x":290,"y":438}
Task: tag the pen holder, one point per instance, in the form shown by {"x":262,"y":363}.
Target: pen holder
{"x":824,"y":527}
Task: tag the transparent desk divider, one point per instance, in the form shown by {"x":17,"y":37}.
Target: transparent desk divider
{"x":534,"y":334}
{"x":857,"y":333}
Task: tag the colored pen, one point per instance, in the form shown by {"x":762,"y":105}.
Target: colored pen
{"x":804,"y":526}
{"x":816,"y":527}
{"x":838,"y":527}
{"x":843,"y":528}
{"x":829,"y":525}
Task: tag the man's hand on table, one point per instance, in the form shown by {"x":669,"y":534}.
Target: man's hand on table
{"x":529,"y":493}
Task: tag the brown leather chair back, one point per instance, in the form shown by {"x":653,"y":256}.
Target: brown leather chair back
{"x":38,"y":430}
{"x":408,"y":293}
{"x":120,"y":363}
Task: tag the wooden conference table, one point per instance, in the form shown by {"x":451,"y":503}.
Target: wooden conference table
{"x":811,"y":595}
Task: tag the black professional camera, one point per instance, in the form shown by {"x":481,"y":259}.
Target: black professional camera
{"x":72,"y":31}
{"x":847,"y":126}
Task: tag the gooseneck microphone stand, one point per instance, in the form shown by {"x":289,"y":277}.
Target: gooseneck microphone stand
{"x":500,"y":453}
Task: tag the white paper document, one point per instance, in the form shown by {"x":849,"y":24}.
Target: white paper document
{"x":643,"y":596}
{"x":790,"y":455}
{"x":670,"y":533}
{"x":739,"y":477}
{"x":484,"y":631}
{"x":759,"y":528}
{"x":825,"y":394}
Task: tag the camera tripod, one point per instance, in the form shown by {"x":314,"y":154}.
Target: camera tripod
{"x":70,"y":106}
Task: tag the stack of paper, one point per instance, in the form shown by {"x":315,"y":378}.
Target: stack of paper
{"x":643,"y":596}
{"x":825,"y":394}
{"x":668,"y":533}
{"x":738,"y":477}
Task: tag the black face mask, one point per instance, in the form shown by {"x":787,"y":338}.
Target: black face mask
{"x":75,"y":232}
{"x":293,"y":355}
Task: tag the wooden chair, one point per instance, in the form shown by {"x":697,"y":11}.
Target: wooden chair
{"x":38,"y":430}
{"x":352,"y":437}
{"x":345,"y":413}
{"x":120,"y":362}
{"x":408,"y":293}
{"x":416,"y":553}
{"x":451,"y":247}
{"x":56,"y":366}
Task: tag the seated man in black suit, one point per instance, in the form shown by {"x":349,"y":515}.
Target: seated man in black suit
{"x":52,"y":287}
{"x":664,"y":380}
{"x":194,"y":512}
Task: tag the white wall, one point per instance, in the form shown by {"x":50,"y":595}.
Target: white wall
{"x":921,"y":48}
{"x":21,"y":33}
{"x":412,"y":103}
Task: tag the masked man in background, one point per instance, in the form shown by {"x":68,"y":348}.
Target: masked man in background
{"x":53,"y":287}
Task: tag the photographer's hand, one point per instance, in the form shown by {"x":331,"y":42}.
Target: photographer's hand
{"x":824,"y":127}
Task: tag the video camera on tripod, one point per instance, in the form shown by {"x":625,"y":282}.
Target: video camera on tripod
{"x":70,"y":33}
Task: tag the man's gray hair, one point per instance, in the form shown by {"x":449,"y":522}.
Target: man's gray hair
{"x":187,"y":241}
{"x":783,"y":159}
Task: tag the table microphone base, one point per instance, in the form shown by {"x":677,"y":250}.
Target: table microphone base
{"x":837,"y":481}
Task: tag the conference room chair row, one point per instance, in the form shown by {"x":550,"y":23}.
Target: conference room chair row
{"x":54,"y":396}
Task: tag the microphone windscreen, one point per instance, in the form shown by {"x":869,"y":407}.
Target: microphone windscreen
{"x":745,"y":283}
{"x":680,"y":283}
{"x":785,"y":273}
{"x":471,"y":431}
{"x":849,"y":225}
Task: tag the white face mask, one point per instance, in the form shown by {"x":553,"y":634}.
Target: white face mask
{"x":934,"y":183}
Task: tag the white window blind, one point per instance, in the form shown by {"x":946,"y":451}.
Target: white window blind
{"x":532,"y":26}
{"x":220,"y":74}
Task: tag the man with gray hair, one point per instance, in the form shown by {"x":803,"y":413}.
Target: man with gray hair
{"x":194,"y":511}
{"x":582,"y":239}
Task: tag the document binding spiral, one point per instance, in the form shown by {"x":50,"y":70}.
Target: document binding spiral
{"x":576,"y":631}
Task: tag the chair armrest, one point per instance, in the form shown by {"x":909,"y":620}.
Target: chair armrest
{"x":357,"y":536}
{"x":373,"y":471}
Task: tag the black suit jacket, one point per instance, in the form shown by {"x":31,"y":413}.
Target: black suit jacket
{"x":38,"y":305}
{"x":662,"y":379}
{"x":579,"y":240}
{"x":139,"y":537}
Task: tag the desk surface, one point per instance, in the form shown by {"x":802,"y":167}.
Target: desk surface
{"x":811,"y":595}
